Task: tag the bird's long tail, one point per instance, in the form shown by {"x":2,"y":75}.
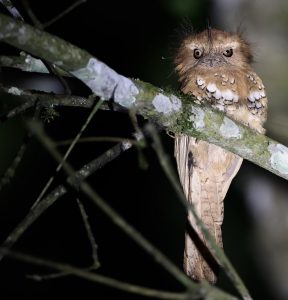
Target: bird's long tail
{"x":206,"y":172}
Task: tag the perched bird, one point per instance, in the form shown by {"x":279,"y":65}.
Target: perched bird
{"x":214,"y":67}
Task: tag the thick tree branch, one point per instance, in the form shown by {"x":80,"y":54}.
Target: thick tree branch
{"x":173,"y":112}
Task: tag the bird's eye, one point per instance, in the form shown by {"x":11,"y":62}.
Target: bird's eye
{"x":228,"y":52}
{"x":197,"y":53}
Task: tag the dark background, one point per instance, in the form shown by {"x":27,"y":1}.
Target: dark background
{"x":137,"y":39}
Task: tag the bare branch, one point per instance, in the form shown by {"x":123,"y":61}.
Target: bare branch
{"x":94,"y":247}
{"x":120,"y":285}
{"x":61,"y":190}
{"x":64,"y":13}
{"x":95,"y":261}
{"x":197,"y":290}
{"x":50,"y":67}
{"x":86,"y":189}
{"x":11,"y":170}
{"x":72,"y":145}
{"x":47,"y":100}
{"x":15,"y":13}
{"x":92,"y":139}
{"x":217,"y":252}
{"x":53,"y":70}
{"x":12,"y":9}
{"x":31,"y":14}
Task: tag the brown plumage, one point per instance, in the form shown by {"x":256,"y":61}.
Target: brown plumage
{"x":215,"y":67}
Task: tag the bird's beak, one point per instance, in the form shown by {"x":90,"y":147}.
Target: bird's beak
{"x":212,"y":60}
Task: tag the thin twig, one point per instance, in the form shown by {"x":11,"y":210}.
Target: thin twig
{"x":217,"y":252}
{"x":39,"y":133}
{"x":74,"y":142}
{"x":18,"y":110}
{"x":94,"y":246}
{"x":51,"y":68}
{"x":12,"y":9}
{"x":92,"y":139}
{"x":62,"y":14}
{"x":142,"y":161}
{"x":134,"y":121}
{"x":45,"y":99}
{"x":95,"y":261}
{"x":16,"y":14}
{"x":31,"y":15}
{"x":10,"y":172}
{"x":198,"y":290}
{"x":56,"y":275}
{"x":107,"y":281}
{"x":60,"y":191}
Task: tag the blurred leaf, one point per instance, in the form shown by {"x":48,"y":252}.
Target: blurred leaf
{"x":187,"y":8}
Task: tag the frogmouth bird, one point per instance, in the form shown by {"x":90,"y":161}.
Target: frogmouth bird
{"x":214,"y":67}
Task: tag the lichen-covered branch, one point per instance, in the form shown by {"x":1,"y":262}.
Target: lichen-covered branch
{"x":27,"y":63}
{"x":173,"y":112}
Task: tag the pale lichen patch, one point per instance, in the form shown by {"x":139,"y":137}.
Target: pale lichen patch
{"x":279,"y":158}
{"x":58,"y":63}
{"x":229,"y":129}
{"x":197,"y":117}
{"x":125,"y":92}
{"x":23,"y":36}
{"x":126,"y":145}
{"x":166,"y":105}
{"x":34,"y":65}
{"x":244,"y":151}
{"x":176,"y":103}
{"x":162,"y":104}
{"x":107,"y":84}
{"x":14,"y":91}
